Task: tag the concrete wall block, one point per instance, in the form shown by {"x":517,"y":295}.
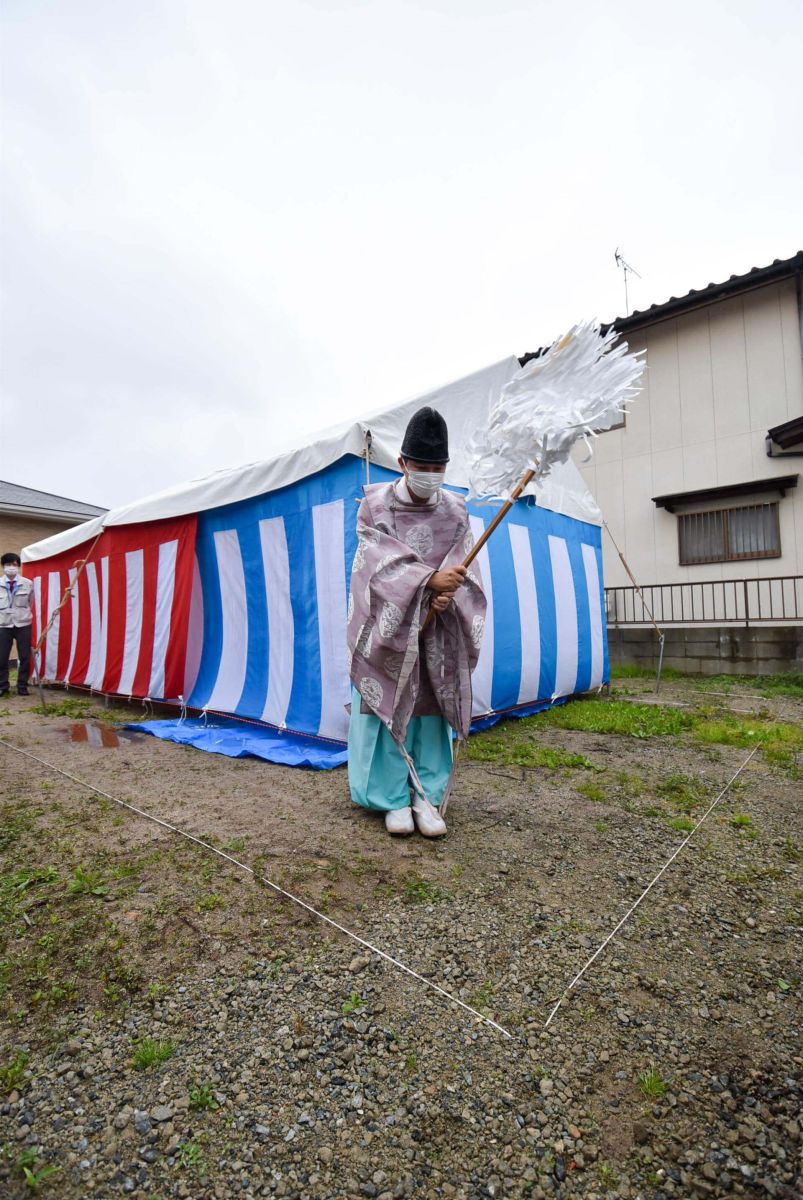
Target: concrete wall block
{"x":713,"y":650}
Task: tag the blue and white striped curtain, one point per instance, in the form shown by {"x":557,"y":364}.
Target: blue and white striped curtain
{"x":267,"y":630}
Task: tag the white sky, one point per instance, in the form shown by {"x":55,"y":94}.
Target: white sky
{"x":227,"y":225}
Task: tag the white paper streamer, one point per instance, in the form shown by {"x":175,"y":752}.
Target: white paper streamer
{"x":579,"y":387}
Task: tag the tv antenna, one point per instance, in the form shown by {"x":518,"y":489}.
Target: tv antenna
{"x":626,"y":267}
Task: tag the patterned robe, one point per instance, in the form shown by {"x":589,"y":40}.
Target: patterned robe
{"x":399,"y":672}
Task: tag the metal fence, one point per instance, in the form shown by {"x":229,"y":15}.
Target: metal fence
{"x":720,"y":601}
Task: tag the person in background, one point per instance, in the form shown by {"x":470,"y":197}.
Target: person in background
{"x":16,"y":615}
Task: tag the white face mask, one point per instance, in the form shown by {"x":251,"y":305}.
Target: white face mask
{"x":10,"y":570}
{"x":424,"y":483}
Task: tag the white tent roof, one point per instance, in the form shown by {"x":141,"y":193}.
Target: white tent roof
{"x":464,"y":404}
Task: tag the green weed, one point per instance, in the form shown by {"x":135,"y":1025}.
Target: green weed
{"x":149,"y":1053}
{"x":421,"y":891}
{"x":593,"y":792}
{"x":70,"y":706}
{"x":651,"y":1084}
{"x":210,"y":902}
{"x":482,"y":996}
{"x":632,"y":671}
{"x":86,"y":883}
{"x":741,"y":821}
{"x":190,"y":1156}
{"x":681,"y":824}
{"x":606,"y":1175}
{"x":202,"y":1098}
{"x":790,"y":851}
{"x":354,"y":1004}
{"x":512,"y":744}
{"x":13,"y":1073}
{"x":683,"y":792}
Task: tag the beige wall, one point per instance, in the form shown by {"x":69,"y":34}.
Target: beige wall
{"x":16,"y":532}
{"x":716,"y":380}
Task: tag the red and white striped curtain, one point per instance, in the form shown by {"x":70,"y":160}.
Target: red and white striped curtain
{"x":124,"y":629}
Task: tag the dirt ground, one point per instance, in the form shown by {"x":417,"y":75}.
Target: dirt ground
{"x":672,"y":1069}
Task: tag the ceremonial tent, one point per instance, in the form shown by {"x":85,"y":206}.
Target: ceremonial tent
{"x":228,"y":594}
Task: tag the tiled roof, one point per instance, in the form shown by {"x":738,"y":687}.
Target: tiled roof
{"x":24,"y":500}
{"x":780,"y":268}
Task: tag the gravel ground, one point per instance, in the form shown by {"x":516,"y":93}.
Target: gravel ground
{"x":297,"y":1065}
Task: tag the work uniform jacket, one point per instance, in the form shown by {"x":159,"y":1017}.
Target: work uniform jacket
{"x":16,"y":612}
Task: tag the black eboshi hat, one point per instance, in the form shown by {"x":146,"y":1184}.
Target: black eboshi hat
{"x":426,"y":438}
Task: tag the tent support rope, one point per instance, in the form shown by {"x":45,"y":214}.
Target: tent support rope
{"x":648,"y":889}
{"x":261,"y":879}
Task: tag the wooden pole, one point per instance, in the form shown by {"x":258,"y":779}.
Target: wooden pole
{"x":68,"y":591}
{"x":500,"y":516}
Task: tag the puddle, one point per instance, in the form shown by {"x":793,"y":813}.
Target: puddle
{"x":95,"y":733}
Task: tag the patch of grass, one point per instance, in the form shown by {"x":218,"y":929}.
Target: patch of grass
{"x":70,"y":706}
{"x":782,"y":685}
{"x":607,"y":1176}
{"x":632,"y":671}
{"x":601,"y":826}
{"x":13,"y":1073}
{"x":189,"y":1156}
{"x":422,"y":891}
{"x":741,"y":821}
{"x":593,"y":792}
{"x":780,"y":742}
{"x":790,"y":851}
{"x":599,"y":715}
{"x":652,"y":811}
{"x":234,"y":845}
{"x":354,"y":1004}
{"x":411,"y":1063}
{"x":210,"y":902}
{"x":651,"y":1084}
{"x":512,"y":744}
{"x":789,"y":684}
{"x":683,"y":792}
{"x":681,"y":824}
{"x":147,"y":1052}
{"x":482,"y":996}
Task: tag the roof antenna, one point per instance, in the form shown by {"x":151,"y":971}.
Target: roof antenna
{"x":620,"y":262}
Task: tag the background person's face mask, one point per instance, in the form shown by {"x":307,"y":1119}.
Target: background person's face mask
{"x":424,"y":483}
{"x":10,"y":570}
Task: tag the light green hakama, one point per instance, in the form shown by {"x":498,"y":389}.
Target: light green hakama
{"x":378,"y":775}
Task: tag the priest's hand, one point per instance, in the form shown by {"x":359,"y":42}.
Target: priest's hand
{"x":441,"y":602}
{"x":447,"y":580}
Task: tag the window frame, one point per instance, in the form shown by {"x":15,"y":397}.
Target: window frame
{"x":727,"y":556}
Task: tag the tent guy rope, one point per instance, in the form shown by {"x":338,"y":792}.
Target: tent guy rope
{"x":647,"y":890}
{"x":190,"y":837}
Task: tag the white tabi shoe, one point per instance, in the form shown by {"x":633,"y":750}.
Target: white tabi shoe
{"x":429,"y":821}
{"x":399,"y":821}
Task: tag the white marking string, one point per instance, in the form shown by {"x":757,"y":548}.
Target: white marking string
{"x":262,"y":879}
{"x":647,"y":889}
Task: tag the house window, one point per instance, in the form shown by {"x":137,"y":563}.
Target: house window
{"x":729,"y":534}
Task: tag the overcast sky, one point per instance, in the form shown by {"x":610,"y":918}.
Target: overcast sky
{"x":227,"y":225}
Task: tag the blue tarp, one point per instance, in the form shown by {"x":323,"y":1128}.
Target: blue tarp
{"x":236,"y":740}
